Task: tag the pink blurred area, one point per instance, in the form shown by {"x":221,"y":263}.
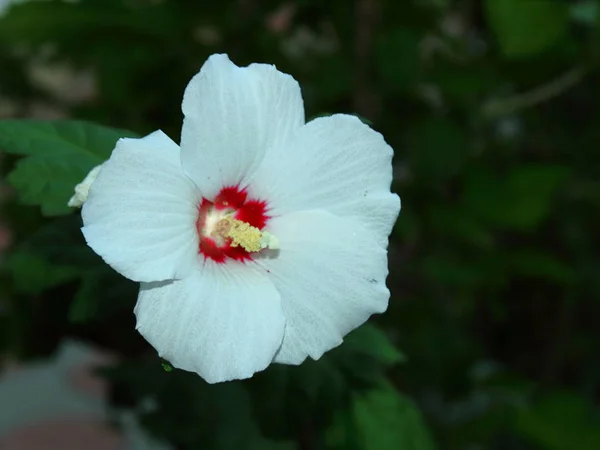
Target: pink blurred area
{"x":69,"y":433}
{"x":71,"y":373}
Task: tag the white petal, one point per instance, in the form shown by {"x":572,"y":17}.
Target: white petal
{"x":330,"y":273}
{"x":224,"y":322}
{"x":141,"y":212}
{"x":335,"y":163}
{"x":233,"y":116}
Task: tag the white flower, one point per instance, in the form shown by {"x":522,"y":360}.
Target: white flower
{"x":191,"y":223}
{"x":82,"y":189}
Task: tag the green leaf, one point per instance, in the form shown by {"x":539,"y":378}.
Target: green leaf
{"x":218,"y":416}
{"x":58,"y":156}
{"x":560,"y":421}
{"x":450,"y":220}
{"x":439,"y":148}
{"x":451,"y":271}
{"x":380,"y":419}
{"x":331,"y":79}
{"x":535,"y":263}
{"x":52,"y":255}
{"x":32,"y":274}
{"x":84,"y":308}
{"x":532,"y":188}
{"x":342,"y":433}
{"x":521,"y":199}
{"x":316,"y":390}
{"x":397,"y":54}
{"x":61,"y":243}
{"x":585,"y":12}
{"x":370,"y":340}
{"x":462,"y":83}
{"x":57,"y":253}
{"x":102,"y":292}
{"x":35,"y":21}
{"x":260,"y":443}
{"x":527,"y":27}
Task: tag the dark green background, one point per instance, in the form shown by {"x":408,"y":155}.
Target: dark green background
{"x":492,"y":109}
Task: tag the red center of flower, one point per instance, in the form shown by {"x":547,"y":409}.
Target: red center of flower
{"x":233,"y":201}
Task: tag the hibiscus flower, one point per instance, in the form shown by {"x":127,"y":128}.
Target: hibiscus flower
{"x":261,"y":238}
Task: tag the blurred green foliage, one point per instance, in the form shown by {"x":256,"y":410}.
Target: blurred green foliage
{"x":492,"y":107}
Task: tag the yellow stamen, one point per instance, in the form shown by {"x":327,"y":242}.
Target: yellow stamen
{"x":245,"y":235}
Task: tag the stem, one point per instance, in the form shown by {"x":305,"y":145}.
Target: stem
{"x":541,"y":94}
{"x":366,"y":101}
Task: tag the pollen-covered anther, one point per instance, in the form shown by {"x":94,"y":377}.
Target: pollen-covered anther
{"x":244,"y":235}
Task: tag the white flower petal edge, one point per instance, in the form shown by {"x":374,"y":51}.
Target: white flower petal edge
{"x":233,"y":116}
{"x":336,"y":163}
{"x":224,"y":322}
{"x":331,"y":276}
{"x":140,"y":216}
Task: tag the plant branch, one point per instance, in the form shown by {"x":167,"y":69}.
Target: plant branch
{"x":541,"y":94}
{"x":366,"y":101}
